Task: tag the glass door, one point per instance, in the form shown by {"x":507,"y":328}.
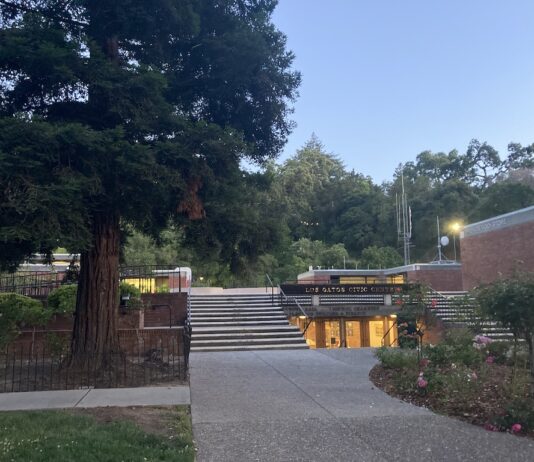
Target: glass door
{"x":353,"y":334}
{"x":376,"y":333}
{"x":333,"y":339}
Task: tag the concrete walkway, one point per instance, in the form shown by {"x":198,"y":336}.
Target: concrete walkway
{"x":100,"y":397}
{"x":319,"y":405}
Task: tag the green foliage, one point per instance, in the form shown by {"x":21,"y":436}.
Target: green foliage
{"x":456,"y":381}
{"x":163,"y":289}
{"x":129,"y":289}
{"x":134,"y":302}
{"x":43,"y":436}
{"x":501,"y":352}
{"x":456,"y":348}
{"x":63,"y":299}
{"x":395,"y":358}
{"x":137,"y":112}
{"x":16,"y":312}
{"x":380,"y":257}
{"x":511,"y":302}
{"x":502,"y":197}
{"x":519,"y":411}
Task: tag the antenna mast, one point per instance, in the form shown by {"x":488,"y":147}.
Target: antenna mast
{"x":404,"y":221}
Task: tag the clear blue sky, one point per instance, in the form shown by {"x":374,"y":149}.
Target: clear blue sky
{"x":384,"y":80}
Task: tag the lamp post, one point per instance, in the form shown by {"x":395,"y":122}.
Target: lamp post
{"x":455,"y":227}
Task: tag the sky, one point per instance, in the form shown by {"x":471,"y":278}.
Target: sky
{"x":383,"y":80}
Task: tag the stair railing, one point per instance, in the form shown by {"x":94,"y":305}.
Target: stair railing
{"x":285,"y":298}
{"x":396,"y":339}
{"x":270,"y":281}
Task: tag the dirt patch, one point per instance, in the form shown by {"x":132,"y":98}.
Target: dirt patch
{"x":478,"y":410}
{"x":157,"y":420}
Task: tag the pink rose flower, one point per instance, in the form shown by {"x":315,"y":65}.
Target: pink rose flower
{"x":421,"y":382}
{"x":482,"y":339}
{"x":516,"y":428}
{"x":490,"y":360}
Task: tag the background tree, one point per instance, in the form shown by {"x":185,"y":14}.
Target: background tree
{"x":380,"y":257}
{"x":129,"y":113}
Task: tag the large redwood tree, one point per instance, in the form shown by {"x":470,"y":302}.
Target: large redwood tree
{"x":129,"y":112}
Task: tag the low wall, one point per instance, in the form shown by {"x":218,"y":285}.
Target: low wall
{"x":139,"y":341}
{"x":164,"y":310}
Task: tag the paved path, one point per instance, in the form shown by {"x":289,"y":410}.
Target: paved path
{"x":99,"y":397}
{"x":318,"y":405}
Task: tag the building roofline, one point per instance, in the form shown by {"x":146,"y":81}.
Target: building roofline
{"x":380,"y":272}
{"x":517,"y":217}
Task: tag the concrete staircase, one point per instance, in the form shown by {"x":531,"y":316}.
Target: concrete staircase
{"x":447,"y":308}
{"x":241,"y":322}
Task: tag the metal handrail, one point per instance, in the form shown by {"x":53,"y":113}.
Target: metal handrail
{"x":299,"y":306}
{"x":387,"y":333}
{"x":272,"y":287}
{"x":289,"y":299}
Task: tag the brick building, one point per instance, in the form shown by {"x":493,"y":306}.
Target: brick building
{"x":497,"y":247}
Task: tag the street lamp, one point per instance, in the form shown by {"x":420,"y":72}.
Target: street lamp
{"x":455,"y":228}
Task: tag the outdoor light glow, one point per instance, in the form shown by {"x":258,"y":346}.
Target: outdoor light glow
{"x":456,"y":226}
{"x":393,"y":316}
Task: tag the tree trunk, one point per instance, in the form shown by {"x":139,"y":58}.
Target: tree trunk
{"x":94,"y":337}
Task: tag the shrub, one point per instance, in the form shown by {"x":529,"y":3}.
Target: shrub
{"x":63,"y":299}
{"x":500,"y":351}
{"x":16,"y":312}
{"x":163,"y":289}
{"x":519,"y":411}
{"x":456,"y":348}
{"x":459,"y":384}
{"x":395,"y":358}
{"x":126,"y":289}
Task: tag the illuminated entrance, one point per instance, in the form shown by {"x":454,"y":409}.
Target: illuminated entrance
{"x":347,"y":332}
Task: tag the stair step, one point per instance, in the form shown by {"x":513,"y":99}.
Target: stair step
{"x":241,"y":322}
{"x":249,"y":347}
{"x":281,"y":329}
{"x":247,"y":342}
{"x":238,"y":323}
{"x":237,"y":313}
{"x":251,"y":317}
{"x":244,"y":335}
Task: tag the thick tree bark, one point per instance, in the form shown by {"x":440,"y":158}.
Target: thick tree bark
{"x":94,"y":339}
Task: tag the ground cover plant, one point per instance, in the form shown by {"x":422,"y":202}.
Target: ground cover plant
{"x":105,"y":434}
{"x":466,"y":376}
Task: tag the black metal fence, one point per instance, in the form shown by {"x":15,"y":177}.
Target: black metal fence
{"x":31,"y":284}
{"x":144,"y":358}
{"x":148,"y":278}
{"x":154,"y":278}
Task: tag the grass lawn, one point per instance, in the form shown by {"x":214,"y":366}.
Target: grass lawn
{"x":105,"y":434}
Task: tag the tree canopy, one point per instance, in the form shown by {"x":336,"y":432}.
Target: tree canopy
{"x":132,"y":113}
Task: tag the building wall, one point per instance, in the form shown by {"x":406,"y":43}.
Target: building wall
{"x":489,"y":254}
{"x":443,"y":279}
